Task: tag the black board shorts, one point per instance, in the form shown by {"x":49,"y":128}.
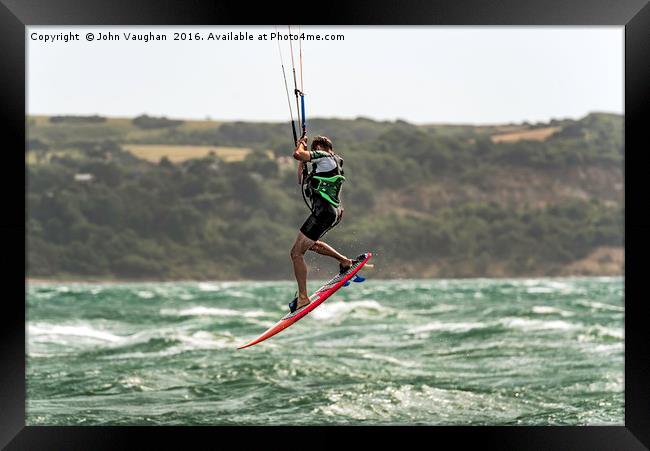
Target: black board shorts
{"x":321,"y":220}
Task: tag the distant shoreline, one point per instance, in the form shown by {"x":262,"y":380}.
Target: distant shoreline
{"x":45,"y":281}
{"x":606,"y":261}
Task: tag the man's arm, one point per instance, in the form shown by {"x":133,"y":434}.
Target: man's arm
{"x":301,"y":153}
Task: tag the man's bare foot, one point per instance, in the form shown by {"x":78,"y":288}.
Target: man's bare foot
{"x":345,"y":266}
{"x":302,"y":301}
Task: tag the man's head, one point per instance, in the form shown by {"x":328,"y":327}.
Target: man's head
{"x":321,"y":141}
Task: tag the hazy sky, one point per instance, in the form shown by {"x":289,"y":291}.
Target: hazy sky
{"x":419,"y":74}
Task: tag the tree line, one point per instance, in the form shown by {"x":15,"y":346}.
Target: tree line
{"x":210,"y":219}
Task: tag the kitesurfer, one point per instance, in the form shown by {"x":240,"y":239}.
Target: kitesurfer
{"x":324,"y":185}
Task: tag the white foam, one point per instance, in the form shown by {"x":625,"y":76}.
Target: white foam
{"x":558,"y":285}
{"x":211,"y":286}
{"x":345,"y":406}
{"x":206,"y":340}
{"x":605,"y":348}
{"x":385,"y":358}
{"x":211,"y":311}
{"x":187,"y":341}
{"x":198,"y":340}
{"x":241,"y":294}
{"x":548,"y":310}
{"x":442,"y":308}
{"x":601,"y":306}
{"x":134,"y":382}
{"x":40,"y":332}
{"x":382,"y":404}
{"x":44,"y":354}
{"x":44,"y":294}
{"x":603,"y":331}
{"x":549,"y":286}
{"x":536,"y":324}
{"x":446,"y":327}
{"x":333,"y":310}
{"x":438,"y":308}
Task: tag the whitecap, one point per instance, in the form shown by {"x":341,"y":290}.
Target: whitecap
{"x":211,"y":311}
{"x":335,"y":310}
{"x":601,"y":306}
{"x":536,"y":324}
{"x":603,"y":331}
{"x":343,"y":409}
{"x":43,"y":294}
{"x":45,"y":354}
{"x":133,"y":382}
{"x":198,"y":340}
{"x":438,"y":308}
{"x":446,"y":327}
{"x":549,"y":310}
{"x":347,"y":406}
{"x":385,"y":358}
{"x":364,"y":404}
{"x":558,"y":285}
{"x":45,"y":332}
{"x":538,"y":290}
{"x":240,"y":294}
{"x":541,"y":286}
{"x":263,"y":324}
{"x":206,"y":340}
{"x":211,"y":286}
{"x":602,"y":349}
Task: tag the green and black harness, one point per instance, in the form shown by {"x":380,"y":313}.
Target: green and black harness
{"x":326,"y":184}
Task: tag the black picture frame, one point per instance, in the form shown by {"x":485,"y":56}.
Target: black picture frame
{"x":634,"y":15}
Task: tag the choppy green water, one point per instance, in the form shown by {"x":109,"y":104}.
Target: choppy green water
{"x":480,"y":352}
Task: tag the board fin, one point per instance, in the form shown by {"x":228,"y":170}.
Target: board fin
{"x":358,"y":278}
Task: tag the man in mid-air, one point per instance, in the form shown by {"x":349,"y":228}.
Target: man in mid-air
{"x":325,"y":182}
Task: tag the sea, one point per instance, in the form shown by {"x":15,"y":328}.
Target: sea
{"x":382,"y":352}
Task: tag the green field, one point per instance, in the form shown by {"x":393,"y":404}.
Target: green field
{"x":177,"y":154}
{"x":116,"y":129}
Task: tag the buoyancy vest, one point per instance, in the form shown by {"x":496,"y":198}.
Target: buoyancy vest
{"x":326,"y":183}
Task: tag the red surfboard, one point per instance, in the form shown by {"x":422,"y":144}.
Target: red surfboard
{"x":317,"y":299}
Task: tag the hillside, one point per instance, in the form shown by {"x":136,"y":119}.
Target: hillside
{"x":212,"y":200}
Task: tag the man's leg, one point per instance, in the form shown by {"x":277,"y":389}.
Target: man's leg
{"x":300,"y":246}
{"x":323,"y":248}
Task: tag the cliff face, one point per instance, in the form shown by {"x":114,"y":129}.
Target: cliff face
{"x":513,"y":187}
